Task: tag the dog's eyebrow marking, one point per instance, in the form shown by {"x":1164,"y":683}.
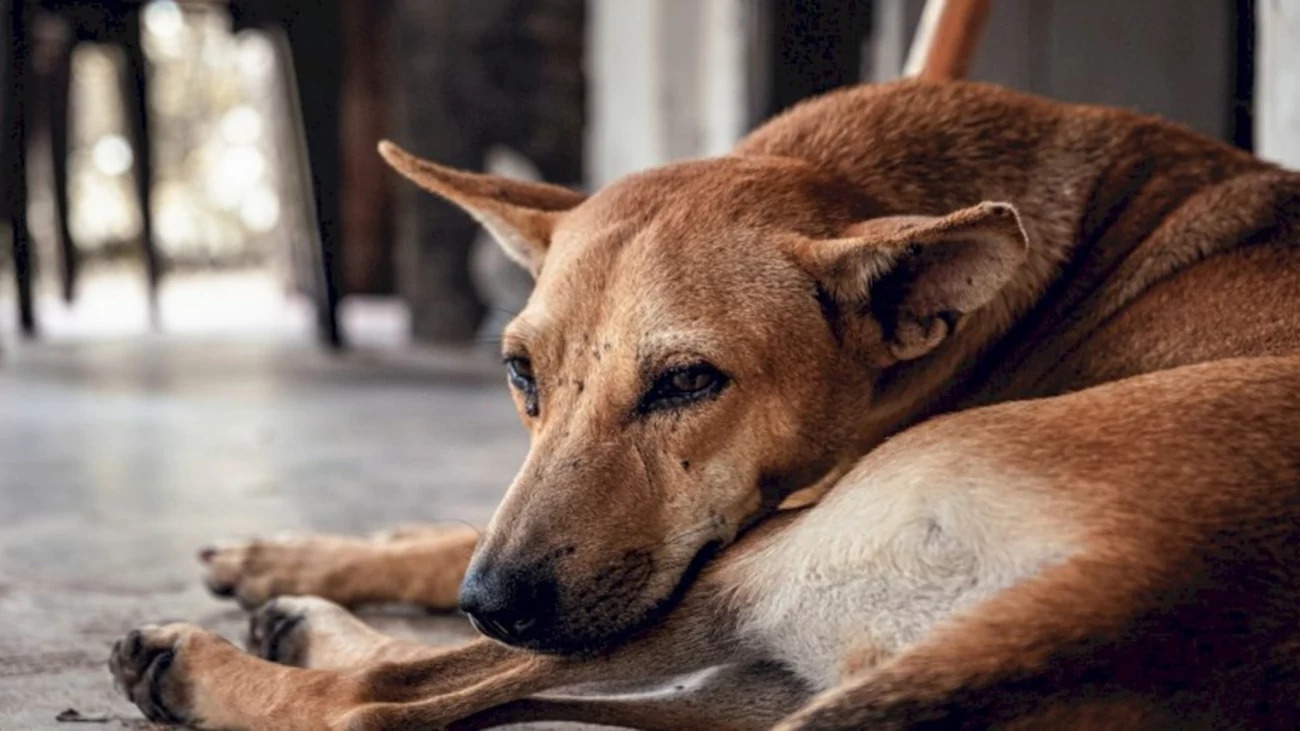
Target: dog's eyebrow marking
{"x":679,"y":342}
{"x":520,"y":333}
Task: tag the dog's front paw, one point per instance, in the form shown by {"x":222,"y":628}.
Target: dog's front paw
{"x":311,"y":632}
{"x":254,"y":572}
{"x":149,"y":667}
{"x":179,"y":673}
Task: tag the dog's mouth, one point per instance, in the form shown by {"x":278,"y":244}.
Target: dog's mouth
{"x":701,"y":559}
{"x":661,"y":608}
{"x":587,"y":639}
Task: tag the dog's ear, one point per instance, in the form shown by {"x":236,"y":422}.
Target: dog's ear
{"x":520,"y":215}
{"x":918,"y":276}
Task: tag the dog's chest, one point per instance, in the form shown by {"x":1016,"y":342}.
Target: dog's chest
{"x":873,"y":569}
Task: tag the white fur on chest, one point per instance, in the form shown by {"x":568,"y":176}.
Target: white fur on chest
{"x":890,"y":553}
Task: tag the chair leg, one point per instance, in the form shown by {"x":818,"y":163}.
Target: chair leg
{"x":13,"y":151}
{"x":136,"y":97}
{"x":57,"y":89}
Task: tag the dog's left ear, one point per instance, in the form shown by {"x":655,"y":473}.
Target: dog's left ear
{"x":519,"y":214}
{"x":918,"y":276}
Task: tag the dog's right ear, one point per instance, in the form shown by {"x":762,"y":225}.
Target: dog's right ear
{"x":520,"y":215}
{"x":916,"y":278}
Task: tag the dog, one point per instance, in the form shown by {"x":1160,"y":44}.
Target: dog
{"x":931,"y":405}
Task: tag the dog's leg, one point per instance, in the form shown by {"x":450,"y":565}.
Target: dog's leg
{"x":180,"y":672}
{"x":728,"y":698}
{"x":418,"y":695}
{"x":1000,"y":661}
{"x":417,"y":565}
{"x":313,"y":633}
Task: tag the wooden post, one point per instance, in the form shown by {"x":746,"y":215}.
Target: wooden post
{"x":367,"y":208}
{"x":947,"y":38}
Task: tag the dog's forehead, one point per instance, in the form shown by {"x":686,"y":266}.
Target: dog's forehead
{"x":719,"y":194}
{"x":642,"y":297}
{"x":694,"y":220}
{"x":681,"y":256}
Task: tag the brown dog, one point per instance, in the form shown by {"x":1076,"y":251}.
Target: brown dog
{"x":710,"y":338}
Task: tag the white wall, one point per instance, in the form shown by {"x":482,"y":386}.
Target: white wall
{"x":1277,"y":81}
{"x":668,"y":81}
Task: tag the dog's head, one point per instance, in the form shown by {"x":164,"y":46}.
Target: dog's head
{"x":703,"y":340}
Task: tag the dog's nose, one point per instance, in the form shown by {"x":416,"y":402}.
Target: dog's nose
{"x":513,"y":605}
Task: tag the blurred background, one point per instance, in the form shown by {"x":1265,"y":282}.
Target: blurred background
{"x":208,"y":166}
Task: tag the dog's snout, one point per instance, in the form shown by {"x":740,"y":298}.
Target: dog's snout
{"x":513,"y":604}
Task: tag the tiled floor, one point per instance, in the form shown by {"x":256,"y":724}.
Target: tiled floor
{"x":120,"y":458}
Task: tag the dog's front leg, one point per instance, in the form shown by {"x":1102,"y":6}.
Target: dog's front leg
{"x":745,"y":697}
{"x":696,"y":635}
{"x":420,"y":565}
{"x":180,"y":673}
{"x":183,"y":673}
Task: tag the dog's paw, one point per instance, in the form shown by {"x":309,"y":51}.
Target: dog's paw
{"x":310,"y":632}
{"x":148,"y":667}
{"x":277,"y":631}
{"x":254,"y":572}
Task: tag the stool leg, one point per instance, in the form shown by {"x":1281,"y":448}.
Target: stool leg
{"x":58,"y":88}
{"x":136,"y":97}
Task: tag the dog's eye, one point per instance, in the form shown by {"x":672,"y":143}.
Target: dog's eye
{"x":692,"y":380}
{"x":520,"y":373}
{"x":681,"y":386}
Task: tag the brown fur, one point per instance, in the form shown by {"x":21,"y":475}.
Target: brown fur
{"x":862,"y":263}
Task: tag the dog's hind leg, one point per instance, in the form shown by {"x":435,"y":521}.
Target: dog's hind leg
{"x":726,"y":698}
{"x":415,"y":565}
{"x":1034,"y":651}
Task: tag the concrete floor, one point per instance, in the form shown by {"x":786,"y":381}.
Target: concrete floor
{"x":120,"y":459}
